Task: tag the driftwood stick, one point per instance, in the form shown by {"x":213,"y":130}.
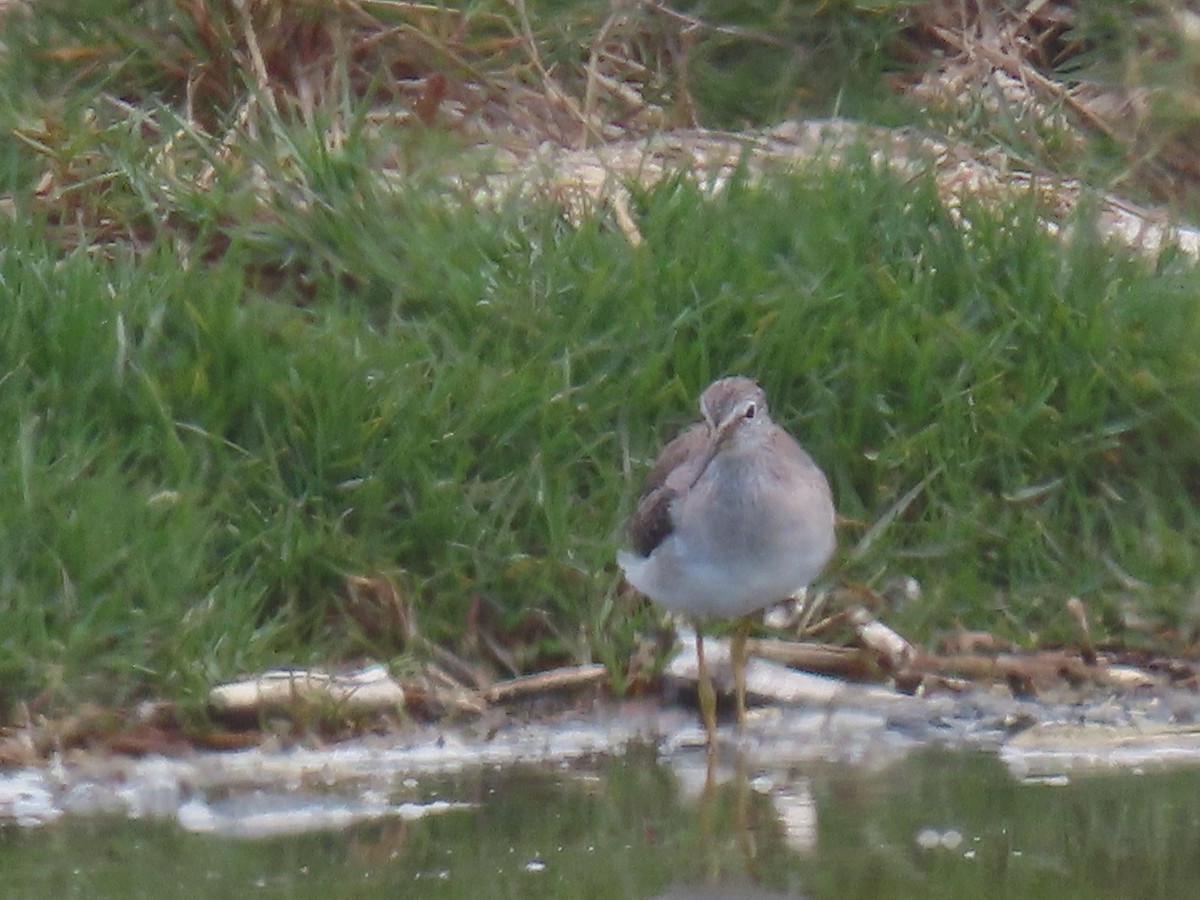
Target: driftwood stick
{"x":570,"y":677}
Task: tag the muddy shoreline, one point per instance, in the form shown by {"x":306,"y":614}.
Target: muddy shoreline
{"x":1063,"y":736}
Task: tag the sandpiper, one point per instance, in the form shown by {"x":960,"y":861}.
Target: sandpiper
{"x":735,"y":516}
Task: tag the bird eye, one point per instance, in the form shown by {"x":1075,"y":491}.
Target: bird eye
{"x":751,"y":409}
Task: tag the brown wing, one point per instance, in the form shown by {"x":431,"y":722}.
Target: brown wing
{"x":651,"y":521}
{"x":678,"y":466}
{"x":688,"y":444}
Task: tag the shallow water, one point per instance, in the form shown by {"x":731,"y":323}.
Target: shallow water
{"x":932,"y":823}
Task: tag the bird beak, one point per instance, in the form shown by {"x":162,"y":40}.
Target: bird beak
{"x":723,"y":431}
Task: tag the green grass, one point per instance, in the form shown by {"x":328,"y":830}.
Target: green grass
{"x":220,"y":398}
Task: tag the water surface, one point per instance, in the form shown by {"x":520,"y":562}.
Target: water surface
{"x":935,"y":824}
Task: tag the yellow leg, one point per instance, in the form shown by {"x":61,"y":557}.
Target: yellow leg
{"x":708,"y":696}
{"x":737,"y":653}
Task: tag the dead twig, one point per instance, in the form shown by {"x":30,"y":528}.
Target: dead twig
{"x":825,"y":659}
{"x":736,"y":31}
{"x":1087,"y":650}
{"x":893,"y":649}
{"x":1020,"y":69}
{"x":567,"y":678}
{"x":1034,"y":671}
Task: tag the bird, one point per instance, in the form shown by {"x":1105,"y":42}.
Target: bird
{"x":734,"y":517}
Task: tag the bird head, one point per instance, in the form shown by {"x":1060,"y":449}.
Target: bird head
{"x":730,"y":405}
